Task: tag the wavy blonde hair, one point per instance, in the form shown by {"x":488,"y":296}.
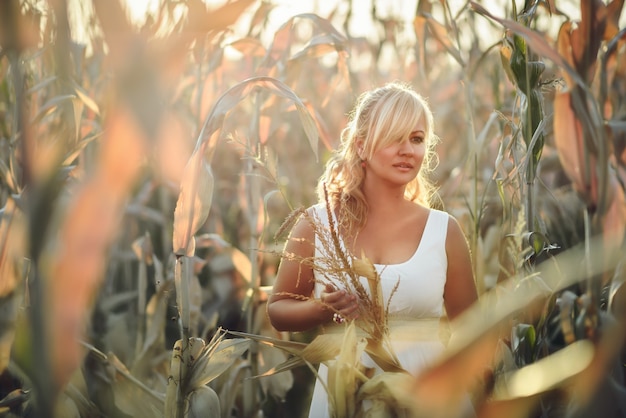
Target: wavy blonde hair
{"x":380,"y":116}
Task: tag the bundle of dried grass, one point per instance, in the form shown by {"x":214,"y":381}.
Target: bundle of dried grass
{"x":338,"y":267}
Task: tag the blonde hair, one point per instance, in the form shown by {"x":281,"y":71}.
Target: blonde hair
{"x":379,"y":117}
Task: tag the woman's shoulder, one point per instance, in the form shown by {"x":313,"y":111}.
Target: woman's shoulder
{"x":442,"y":214}
{"x":423,"y":211}
{"x":456,"y":232}
{"x":319,"y":210}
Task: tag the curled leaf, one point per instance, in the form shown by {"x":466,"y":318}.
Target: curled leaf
{"x":213,"y":360}
{"x":228,"y":100}
{"x":194,"y":203}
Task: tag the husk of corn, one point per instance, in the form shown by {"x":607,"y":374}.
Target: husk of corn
{"x":387,"y":395}
{"x":365,"y":268}
{"x":173,"y":381}
{"x":207,"y":361}
{"x":345,"y":374}
{"x":202,"y":402}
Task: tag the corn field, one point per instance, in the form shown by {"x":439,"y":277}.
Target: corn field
{"x":146,"y":168}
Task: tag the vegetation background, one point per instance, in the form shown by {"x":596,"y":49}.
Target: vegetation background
{"x":146,"y":167}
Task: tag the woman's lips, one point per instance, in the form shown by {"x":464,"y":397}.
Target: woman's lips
{"x":405,"y":166}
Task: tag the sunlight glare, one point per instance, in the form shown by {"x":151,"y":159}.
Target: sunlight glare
{"x":139,"y":9}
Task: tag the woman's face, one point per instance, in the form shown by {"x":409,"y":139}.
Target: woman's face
{"x":400,"y":161}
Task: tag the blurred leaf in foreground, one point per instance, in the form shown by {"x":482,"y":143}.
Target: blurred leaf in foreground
{"x":76,"y":263}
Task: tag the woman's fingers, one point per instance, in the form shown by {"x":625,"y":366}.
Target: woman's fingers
{"x":340,"y":301}
{"x":351,"y":309}
{"x":337,"y":299}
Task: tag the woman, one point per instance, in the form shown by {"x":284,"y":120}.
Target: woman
{"x":379,"y":201}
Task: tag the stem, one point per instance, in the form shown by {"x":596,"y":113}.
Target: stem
{"x":141,"y":301}
{"x":527,"y":132}
{"x":165,"y":207}
{"x":473,"y":239}
{"x":40,"y":357}
{"x":41,"y":371}
{"x":182,"y":273}
{"x":253,"y":198}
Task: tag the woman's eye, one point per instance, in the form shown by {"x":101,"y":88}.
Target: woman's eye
{"x":417,"y":139}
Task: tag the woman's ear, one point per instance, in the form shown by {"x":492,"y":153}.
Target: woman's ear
{"x":359,"y":148}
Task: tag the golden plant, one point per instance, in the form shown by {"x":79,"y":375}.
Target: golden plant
{"x":343,"y":270}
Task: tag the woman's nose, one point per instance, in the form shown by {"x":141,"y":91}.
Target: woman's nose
{"x":406,"y":148}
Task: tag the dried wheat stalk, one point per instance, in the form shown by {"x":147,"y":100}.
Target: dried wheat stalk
{"x":338,"y":267}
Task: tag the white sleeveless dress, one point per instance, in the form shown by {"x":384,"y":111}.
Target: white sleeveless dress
{"x":418,"y":299}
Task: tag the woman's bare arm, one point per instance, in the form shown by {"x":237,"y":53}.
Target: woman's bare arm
{"x":460,"y":289}
{"x":286,"y":312}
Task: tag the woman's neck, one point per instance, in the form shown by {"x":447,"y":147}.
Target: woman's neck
{"x":383,"y":199}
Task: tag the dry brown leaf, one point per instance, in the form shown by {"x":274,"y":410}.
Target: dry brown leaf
{"x":441,"y":33}
{"x":22,"y":30}
{"x":249,"y":47}
{"x":568,"y":138}
{"x":586,"y":37}
{"x":614,"y":11}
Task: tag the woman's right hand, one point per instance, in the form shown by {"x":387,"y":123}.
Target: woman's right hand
{"x":340,"y":301}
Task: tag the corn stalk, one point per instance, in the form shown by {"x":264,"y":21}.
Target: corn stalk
{"x":525,"y":73}
{"x":252,"y":190}
{"x":194,"y":202}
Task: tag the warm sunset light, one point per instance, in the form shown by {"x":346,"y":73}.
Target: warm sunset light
{"x":312,"y":208}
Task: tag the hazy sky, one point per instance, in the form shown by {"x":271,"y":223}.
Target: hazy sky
{"x":360,"y":24}
{"x":361,"y":20}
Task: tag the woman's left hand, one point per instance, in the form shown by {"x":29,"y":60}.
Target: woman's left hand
{"x":342,"y":303}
